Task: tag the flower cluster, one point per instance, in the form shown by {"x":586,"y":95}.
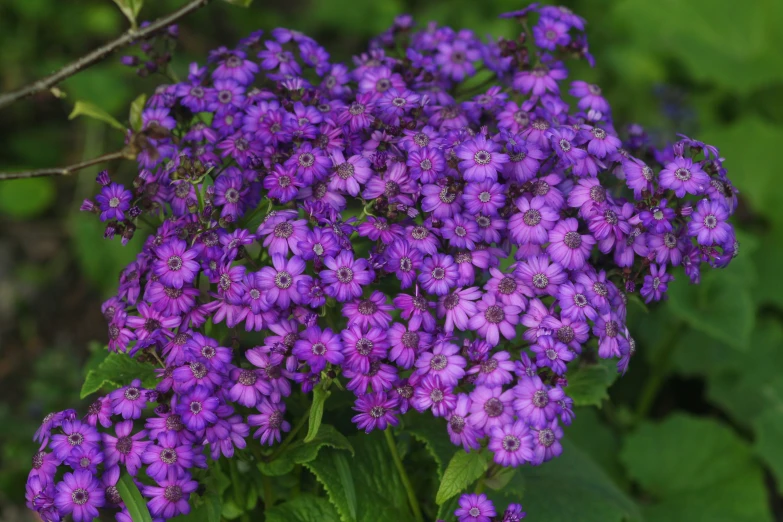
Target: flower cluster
{"x":395,"y":227}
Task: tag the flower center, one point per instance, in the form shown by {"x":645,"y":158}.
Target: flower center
{"x":174,"y":263}
{"x":356,"y":109}
{"x":367,"y":307}
{"x":114,"y":202}
{"x":196,"y":407}
{"x":600,"y":289}
{"x":425,"y":164}
{"x":84,"y":462}
{"x":438,"y":273}
{"x":460,"y":231}
{"x":540,"y":281}
{"x":546,"y":437}
{"x":306,"y":159}
{"x":436,"y":395}
{"x":710,"y":221}
{"x":132,"y":393}
{"x":172,"y":493}
{"x":421,"y":139}
{"x":457,"y":424}
{"x":451,"y":301}
{"x":599,"y":133}
{"x":598,"y":194}
{"x":124,"y":445}
{"x":540,"y":399}
{"x":510,"y":443}
{"x":532,"y":217}
{"x":420,"y":232}
{"x":225,"y":281}
{"x":482,"y":157}
{"x":247,"y":377}
{"x":318,"y":349}
{"x":439,"y":362}
{"x":565,"y":145}
{"x":507,"y":285}
{"x":656,"y":282}
{"x":174,"y":423}
{"x":447,"y":196}
{"x":198,"y":370}
{"x":410,"y":340}
{"x":565,"y":333}
{"x":494,"y":314}
{"x":344,"y":274}
{"x":377,"y":412}
{"x":80,"y":496}
{"x":493,"y":407}
{"x":572,"y":240}
{"x":612,"y":329}
{"x":540,"y":188}
{"x":364,"y":346}
{"x":169,"y":456}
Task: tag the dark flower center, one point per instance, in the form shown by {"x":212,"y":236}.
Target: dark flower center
{"x":438,"y":273}
{"x":580,"y":300}
{"x":169,"y":456}
{"x":546,"y":437}
{"x":510,"y":443}
{"x":439,"y":362}
{"x":572,"y":240}
{"x":80,"y":496}
{"x":247,"y":377}
{"x":598,"y":194}
{"x":420,"y":232}
{"x":493,"y":407}
{"x":306,"y":159}
{"x":356,"y":108}
{"x":344,"y":274}
{"x":532,"y":217}
{"x":540,"y":399}
{"x":612,"y":329}
{"x":283,"y":280}
{"x":376,"y":412}
{"x":457,"y":424}
{"x":364,"y":346}
{"x":565,"y":334}
{"x":172,"y":493}
{"x":565,"y":145}
{"x":113,"y":495}
{"x":124,"y":445}
{"x":494,"y":314}
{"x":410,"y":340}
{"x":196,"y":407}
{"x":482,"y":157}
{"x":174,"y":423}
{"x":710,"y":221}
{"x":540,"y":188}
{"x":436,"y":395}
{"x":199,"y":370}
{"x":38,"y":459}
{"x":451,"y":301}
{"x":682,"y":174}
{"x":367,"y":307}
{"x":507,"y":285}
{"x":318,"y":349}
{"x":540,"y":281}
{"x":174,"y":263}
{"x":132,"y":393}
{"x":600,"y":289}
{"x":425,"y":164}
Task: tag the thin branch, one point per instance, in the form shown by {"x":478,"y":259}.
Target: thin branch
{"x":65,"y":171}
{"x":99,"y":54}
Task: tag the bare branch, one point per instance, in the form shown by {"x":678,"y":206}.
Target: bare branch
{"x":65,"y":171}
{"x":99,"y":54}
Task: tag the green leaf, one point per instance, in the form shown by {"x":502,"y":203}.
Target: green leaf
{"x":573,"y":487}
{"x":769,"y":433}
{"x":240,"y":3}
{"x":130,"y":8}
{"x":83,"y":108}
{"x":118,"y":370}
{"x":378,"y":494}
{"x":431,"y":431}
{"x":137,"y":507}
{"x":137,"y":106}
{"x":696,"y":469}
{"x":588,"y":385}
{"x":463,"y":469}
{"x":301,"y":452}
{"x":316,"y":412}
{"x":304,"y":508}
{"x":26,"y":198}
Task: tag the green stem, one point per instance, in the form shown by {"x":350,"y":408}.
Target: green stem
{"x":403,"y":475}
{"x":481,"y":484}
{"x":290,"y":438}
{"x":660,"y":367}
{"x":269,"y":497}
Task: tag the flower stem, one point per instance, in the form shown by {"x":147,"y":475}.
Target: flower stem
{"x":660,"y":367}
{"x":403,"y":475}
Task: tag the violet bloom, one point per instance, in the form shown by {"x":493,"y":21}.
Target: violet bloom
{"x":512,"y":444}
{"x":546,"y":443}
{"x":552,"y":354}
{"x":376,"y":411}
{"x":86,"y":459}
{"x":114,"y":200}
{"x":485,"y":198}
{"x":128,"y":401}
{"x":170,"y":497}
{"x":684,"y":176}
{"x":416,"y":310}
{"x":481,"y":159}
{"x":176,"y":264}
{"x":404,"y":260}
{"x":370,"y":312}
{"x":435,"y":395}
{"x":270,"y":421}
{"x":442,"y":202}
{"x":573,"y":302}
{"x":168,"y":455}
{"x":540,"y":79}
{"x":125,"y":448}
{"x":461,"y":232}
{"x":80,"y":495}
{"x":197,"y":409}
{"x":349,"y":174}
{"x":658,"y":219}
{"x":405,"y":345}
{"x":75,"y":434}
{"x":475,"y":508}
{"x":443,"y":361}
{"x":344,"y":276}
{"x":567,"y":247}
{"x":249,"y":387}
{"x":535,"y":402}
{"x":541,"y":276}
{"x":708,"y":223}
{"x":589,"y":97}
{"x":438,"y":274}
{"x":360,"y":347}
{"x":494,"y":318}
{"x":495,"y":371}
{"x":282,"y":233}
{"x":281,"y":281}
{"x":490,"y":407}
{"x":655,"y":283}
{"x":458,"y":307}
{"x":460,"y":431}
{"x":533,"y":222}
{"x":318,"y":348}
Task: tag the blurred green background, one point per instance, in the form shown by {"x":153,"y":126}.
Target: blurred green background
{"x":692,"y":432}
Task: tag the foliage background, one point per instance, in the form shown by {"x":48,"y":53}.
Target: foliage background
{"x":692,"y":432}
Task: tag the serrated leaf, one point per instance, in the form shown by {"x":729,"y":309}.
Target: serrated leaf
{"x":304,"y":508}
{"x":431,"y":431}
{"x":118,"y":370}
{"x":240,"y":3}
{"x":83,"y":108}
{"x":769,"y":433}
{"x":696,"y":469}
{"x":301,"y":452}
{"x":316,"y":412}
{"x":588,"y":385}
{"x":463,"y":469}
{"x":136,"y":108}
{"x":131,"y":496}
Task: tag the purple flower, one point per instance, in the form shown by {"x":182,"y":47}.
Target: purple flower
{"x":458,"y":307}
{"x":197,"y":408}
{"x":370,"y":312}
{"x":540,"y":80}
{"x":376,"y":411}
{"x":280,"y":282}
{"x":114,"y":200}
{"x":708,"y":223}
{"x":416,"y":310}
{"x":169,"y":455}
{"x":494,"y":318}
{"x":443,"y":361}
{"x":481,"y":159}
{"x":128,"y":401}
{"x":87,"y":459}
{"x":438,"y":274}
{"x":360,"y":347}
{"x":550,"y":33}
{"x":405,"y":345}
{"x":270,"y":421}
{"x":589,"y":97}
{"x":684,"y":176}
{"x":552,"y":354}
{"x":536,"y":403}
{"x":319,"y":347}
{"x":79,"y":495}
{"x":75,"y":434}
{"x":249,"y":387}
{"x":345,"y":276}
{"x":432,"y":394}
{"x":512,"y":444}
{"x":475,"y":508}
{"x":170,"y":497}
{"x":541,"y":275}
{"x":490,"y":407}
{"x":656,"y":283}
{"x":460,"y":431}
{"x":567,"y":247}
{"x":533,"y":222}
{"x":125,"y":448}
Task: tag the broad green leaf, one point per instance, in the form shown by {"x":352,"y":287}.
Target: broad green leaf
{"x":316,"y":412}
{"x":240,"y":3}
{"x":573,"y":487}
{"x":594,"y":436}
{"x":301,"y":452}
{"x":26,"y":198}
{"x":135,"y":112}
{"x":137,"y":507}
{"x":304,"y":508}
{"x":588,"y":385}
{"x":374,"y":479}
{"x":130,"y":8}
{"x":83,"y":108}
{"x":431,"y":431}
{"x":721,"y":306}
{"x":463,"y":469}
{"x":118,"y":370}
{"x":769,"y":434}
{"x":695,"y":469}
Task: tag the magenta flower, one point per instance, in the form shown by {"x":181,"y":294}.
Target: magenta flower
{"x":552,"y":354}
{"x":458,"y":307}
{"x":79,"y":495}
{"x":280,"y":280}
{"x":270,"y":421}
{"x":125,"y":448}
{"x":656,"y":283}
{"x":344,"y":276}
{"x":318,"y":348}
{"x":512,"y":444}
{"x":170,"y":497}
{"x":438,"y":274}
{"x":708,"y":223}
{"x":494,"y":318}
{"x":434,"y":395}
{"x":490,"y":408}
{"x":370,"y":312}
{"x":567,"y":247}
{"x":376,"y":411}
{"x":533,"y":222}
{"x":535,"y":402}
{"x":475,"y":508}
{"x":684,"y":176}
{"x":481,"y":159}
{"x":444,"y":362}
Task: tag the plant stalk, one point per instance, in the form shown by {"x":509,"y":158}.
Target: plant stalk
{"x":406,"y":481}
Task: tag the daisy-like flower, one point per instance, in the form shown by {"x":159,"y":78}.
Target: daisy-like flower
{"x":125,"y":448}
{"x":443,"y":361}
{"x":461,"y":432}
{"x":376,"y":411}
{"x":170,"y":497}
{"x":318,"y":348}
{"x":75,"y":434}
{"x":475,"y":508}
{"x":280,"y":280}
{"x":434,"y":395}
{"x":438,"y":274}
{"x":79,"y":495}
{"x":552,"y":354}
{"x":344,"y":276}
{"x":567,"y":247}
{"x":546,"y":443}
{"x":458,"y":307}
{"x":176,"y":264}
{"x":270,"y":421}
{"x":535,"y":402}
{"x":114,"y":200}
{"x":655,"y":283}
{"x":494,"y":318}
{"x":490,"y":407}
{"x":197,"y":408}
{"x":168,"y":455}
{"x":512,"y":444}
{"x":683,"y":176}
{"x":406,"y":344}
{"x":541,"y":276}
{"x":708,"y":223}
{"x":481,"y":159}
{"x":370,"y":312}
